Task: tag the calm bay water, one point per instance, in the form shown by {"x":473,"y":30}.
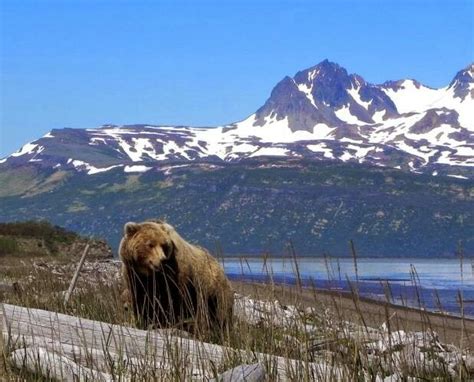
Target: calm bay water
{"x":438,"y":282}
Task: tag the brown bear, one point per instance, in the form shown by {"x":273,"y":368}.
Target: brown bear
{"x":171,"y":282}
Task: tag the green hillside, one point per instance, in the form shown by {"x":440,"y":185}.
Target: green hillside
{"x":259,"y":206}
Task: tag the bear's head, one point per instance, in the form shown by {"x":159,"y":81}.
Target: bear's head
{"x":147,"y":246}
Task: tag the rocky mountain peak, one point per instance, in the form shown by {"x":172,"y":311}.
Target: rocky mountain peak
{"x":465,"y":75}
{"x":463,"y":83}
{"x":325,"y":94}
{"x":324,"y":70}
{"x":327,"y":83}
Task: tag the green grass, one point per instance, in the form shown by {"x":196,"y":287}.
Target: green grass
{"x":8,"y":245}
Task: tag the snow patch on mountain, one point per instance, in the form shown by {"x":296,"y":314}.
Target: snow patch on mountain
{"x":378,"y":116}
{"x":463,"y":107}
{"x":465,"y":151}
{"x":84,"y":166}
{"x":307,"y":90}
{"x":354,"y":93}
{"x":360,"y":152}
{"x":322,"y":148}
{"x":410,"y":96}
{"x":344,"y":114}
{"x":449,"y":159}
{"x":270,"y":151}
{"x":29,"y":148}
{"x":346,"y":156}
{"x":136,"y":168}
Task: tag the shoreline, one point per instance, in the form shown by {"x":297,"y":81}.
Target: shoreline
{"x":366,"y":311}
{"x":369,"y":290}
{"x":347,"y":294}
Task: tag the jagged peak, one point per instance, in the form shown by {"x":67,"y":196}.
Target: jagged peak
{"x":358,"y":80}
{"x":325,"y":68}
{"x":328,"y":72}
{"x":397,"y":84}
{"x":463,"y":83}
{"x":465,"y":75}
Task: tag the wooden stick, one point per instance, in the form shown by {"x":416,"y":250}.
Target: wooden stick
{"x":76,"y":275}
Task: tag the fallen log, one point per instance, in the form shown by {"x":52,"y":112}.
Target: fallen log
{"x":103,"y":361}
{"x":107,"y":347}
{"x":246,"y":373}
{"x":58,"y":367}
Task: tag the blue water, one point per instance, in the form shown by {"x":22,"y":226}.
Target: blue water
{"x":437,"y":283}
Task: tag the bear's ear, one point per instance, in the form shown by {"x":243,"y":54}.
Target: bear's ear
{"x":130,"y":228}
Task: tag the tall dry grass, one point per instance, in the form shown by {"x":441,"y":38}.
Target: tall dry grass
{"x":319,"y":333}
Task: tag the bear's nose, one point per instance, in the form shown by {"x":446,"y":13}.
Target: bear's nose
{"x":154,"y":265}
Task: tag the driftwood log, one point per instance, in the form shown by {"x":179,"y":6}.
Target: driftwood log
{"x":77,"y":347}
{"x":59,"y":367}
{"x":247,"y":373}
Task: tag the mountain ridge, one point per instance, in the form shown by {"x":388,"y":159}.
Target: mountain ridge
{"x":321,"y":113}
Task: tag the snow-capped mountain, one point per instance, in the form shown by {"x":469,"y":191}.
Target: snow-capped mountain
{"x":322,"y":113}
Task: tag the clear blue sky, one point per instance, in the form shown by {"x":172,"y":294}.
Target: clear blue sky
{"x":86,"y":63}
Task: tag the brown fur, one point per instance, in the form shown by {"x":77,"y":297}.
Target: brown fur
{"x":171,"y":282}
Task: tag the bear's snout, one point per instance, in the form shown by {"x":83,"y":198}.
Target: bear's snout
{"x":154,"y":265}
{"x":155,"y":259}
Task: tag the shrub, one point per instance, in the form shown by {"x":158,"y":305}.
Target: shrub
{"x":8,"y":246}
{"x":38,"y":229}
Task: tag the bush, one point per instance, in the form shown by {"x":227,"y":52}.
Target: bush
{"x":37,"y":229}
{"x":8,"y":246}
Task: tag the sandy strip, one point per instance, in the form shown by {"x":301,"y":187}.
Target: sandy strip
{"x":373,"y":313}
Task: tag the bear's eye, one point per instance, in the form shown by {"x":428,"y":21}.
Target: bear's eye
{"x":151,"y":245}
